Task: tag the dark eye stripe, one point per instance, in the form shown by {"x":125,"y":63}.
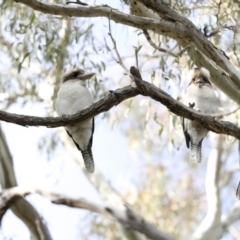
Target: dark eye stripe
{"x":206,"y":80}
{"x":70,"y":76}
{"x":73,"y":74}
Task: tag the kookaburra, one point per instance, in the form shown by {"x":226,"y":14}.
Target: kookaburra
{"x":73,"y":96}
{"x":201,"y":96}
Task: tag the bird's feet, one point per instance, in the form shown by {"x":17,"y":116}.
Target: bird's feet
{"x":191,"y":105}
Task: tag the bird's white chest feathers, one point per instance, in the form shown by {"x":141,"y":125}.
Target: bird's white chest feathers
{"x":204,"y":98}
{"x":72,"y":97}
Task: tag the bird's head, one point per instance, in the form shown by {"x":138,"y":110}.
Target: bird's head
{"x":76,"y":74}
{"x":200,"y":77}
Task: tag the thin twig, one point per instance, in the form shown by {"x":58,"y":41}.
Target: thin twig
{"x":120,"y":62}
{"x":212,"y":33}
{"x":146,"y":34}
{"x":220,"y":115}
{"x":179,"y":54}
{"x":218,"y":10}
{"x":136,"y":55}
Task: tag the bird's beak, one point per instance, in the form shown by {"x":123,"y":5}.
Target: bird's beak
{"x":86,"y":76}
{"x":200,"y":80}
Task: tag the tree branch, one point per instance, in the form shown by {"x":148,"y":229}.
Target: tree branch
{"x":221,"y":62}
{"x":210,"y":227}
{"x":159,"y":26}
{"x":22,"y":209}
{"x":120,"y":62}
{"x":215,"y":60}
{"x":128,"y":218}
{"x":147,"y":89}
{"x":232,"y":216}
{"x":147,"y":36}
{"x":171,"y":24}
{"x":119,"y":95}
{"x":106,"y":103}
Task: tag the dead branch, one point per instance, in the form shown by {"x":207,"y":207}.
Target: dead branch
{"x":147,"y":36}
{"x":119,"y":95}
{"x":128,"y":218}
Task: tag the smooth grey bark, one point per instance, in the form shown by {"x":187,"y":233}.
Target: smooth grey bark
{"x":211,"y":227}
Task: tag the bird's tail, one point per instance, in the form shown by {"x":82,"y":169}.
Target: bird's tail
{"x":88,"y":160}
{"x":195,"y":152}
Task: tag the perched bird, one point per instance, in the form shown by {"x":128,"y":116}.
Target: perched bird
{"x":73,"y":96}
{"x":201,"y":96}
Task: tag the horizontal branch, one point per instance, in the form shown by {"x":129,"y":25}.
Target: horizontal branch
{"x":119,"y":95}
{"x":106,"y":103}
{"x":147,"y":89}
{"x":90,"y":11}
{"x":128,"y":218}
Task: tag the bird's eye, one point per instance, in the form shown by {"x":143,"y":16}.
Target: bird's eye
{"x":205,"y":79}
{"x":75,"y":74}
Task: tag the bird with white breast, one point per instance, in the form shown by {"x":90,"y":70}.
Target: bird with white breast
{"x":72,"y":97}
{"x":200,"y":96}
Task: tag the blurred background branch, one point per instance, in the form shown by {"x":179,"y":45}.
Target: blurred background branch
{"x":127,"y":218}
{"x":21,"y":208}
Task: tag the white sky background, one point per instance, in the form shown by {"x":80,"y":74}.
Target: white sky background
{"x":111,"y":153}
